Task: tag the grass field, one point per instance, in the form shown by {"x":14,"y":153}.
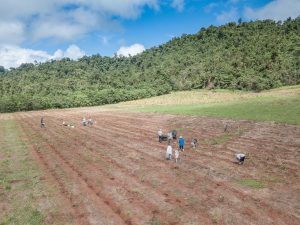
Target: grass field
{"x":19,"y":176}
{"x":280,"y":105}
{"x":25,"y":196}
{"x":115,"y":172}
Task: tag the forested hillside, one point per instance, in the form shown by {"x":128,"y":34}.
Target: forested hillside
{"x":249,"y":55}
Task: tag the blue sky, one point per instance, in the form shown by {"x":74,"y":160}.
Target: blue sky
{"x":41,"y":30}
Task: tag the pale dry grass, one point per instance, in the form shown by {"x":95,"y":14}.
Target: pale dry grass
{"x":6,"y":116}
{"x":206,"y":97}
{"x":177,"y":98}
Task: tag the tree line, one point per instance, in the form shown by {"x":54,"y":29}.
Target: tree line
{"x":250,"y":56}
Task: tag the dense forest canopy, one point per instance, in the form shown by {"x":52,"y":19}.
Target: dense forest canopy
{"x":247,"y":56}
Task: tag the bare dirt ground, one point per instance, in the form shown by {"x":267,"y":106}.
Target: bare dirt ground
{"x":115,"y":171}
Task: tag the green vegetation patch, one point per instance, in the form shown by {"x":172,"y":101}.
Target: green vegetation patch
{"x":218,"y":140}
{"x":25,"y":215}
{"x":252,"y":183}
{"x":285,"y":109}
{"x":252,"y":56}
{"x":19,"y":179}
{"x":155,"y":221}
{"x":272,"y":179}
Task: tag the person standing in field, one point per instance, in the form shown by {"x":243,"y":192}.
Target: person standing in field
{"x":160,"y":133}
{"x":42,"y":122}
{"x":194,"y":142}
{"x":170,"y":137}
{"x":84,"y":122}
{"x":90,"y":122}
{"x":169,"y":152}
{"x":177,"y":159}
{"x":181,"y":143}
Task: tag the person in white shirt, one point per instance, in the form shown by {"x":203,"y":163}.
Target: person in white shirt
{"x":169,"y":152}
{"x":170,"y":136}
{"x":84,"y":122}
{"x":177,"y":155}
{"x":90,"y":122}
{"x":160,"y":134}
{"x":241,"y":158}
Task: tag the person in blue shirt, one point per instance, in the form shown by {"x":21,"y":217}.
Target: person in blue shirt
{"x":181,"y":143}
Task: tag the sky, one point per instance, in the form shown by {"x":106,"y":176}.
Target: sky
{"x":40,"y":30}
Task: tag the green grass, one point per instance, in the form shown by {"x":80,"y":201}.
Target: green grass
{"x":19,"y":179}
{"x":155,"y":221}
{"x":282,"y":109}
{"x":251,"y":183}
{"x":24,"y":215}
{"x":218,"y":140}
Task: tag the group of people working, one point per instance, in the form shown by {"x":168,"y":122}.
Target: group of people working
{"x":181,"y":142}
{"x":169,"y":151}
{"x":84,"y":122}
{"x":169,"y":137}
{"x":87,"y":122}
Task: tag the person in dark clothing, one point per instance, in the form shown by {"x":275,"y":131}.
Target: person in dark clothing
{"x":160,"y":134}
{"x":174,"y":134}
{"x":42,"y":122}
{"x":194,"y":142}
{"x":241,"y":158}
{"x":84,"y":121}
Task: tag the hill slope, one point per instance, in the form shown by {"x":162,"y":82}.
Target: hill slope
{"x":248,"y":56}
{"x":279,"y":105}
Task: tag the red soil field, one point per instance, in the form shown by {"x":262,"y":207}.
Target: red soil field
{"x":115,"y":172}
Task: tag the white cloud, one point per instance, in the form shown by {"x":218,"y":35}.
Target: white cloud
{"x":57,"y":30}
{"x":178,"y":4}
{"x":14,"y":56}
{"x":14,"y":9}
{"x":226,"y":17}
{"x":130,"y":50}
{"x":65,"y":19}
{"x":11,"y":31}
{"x":58,"y":54}
{"x":124,"y":8}
{"x":276,"y":10}
{"x":73,"y":52}
{"x":70,"y":25}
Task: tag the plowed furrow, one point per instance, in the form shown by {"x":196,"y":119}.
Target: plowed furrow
{"x":91,"y":147}
{"x":86,"y":186}
{"x":79,"y":217}
{"x":105,"y":177}
{"x":271,"y":211}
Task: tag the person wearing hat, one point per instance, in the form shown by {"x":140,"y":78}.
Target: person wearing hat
{"x":181,"y":143}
